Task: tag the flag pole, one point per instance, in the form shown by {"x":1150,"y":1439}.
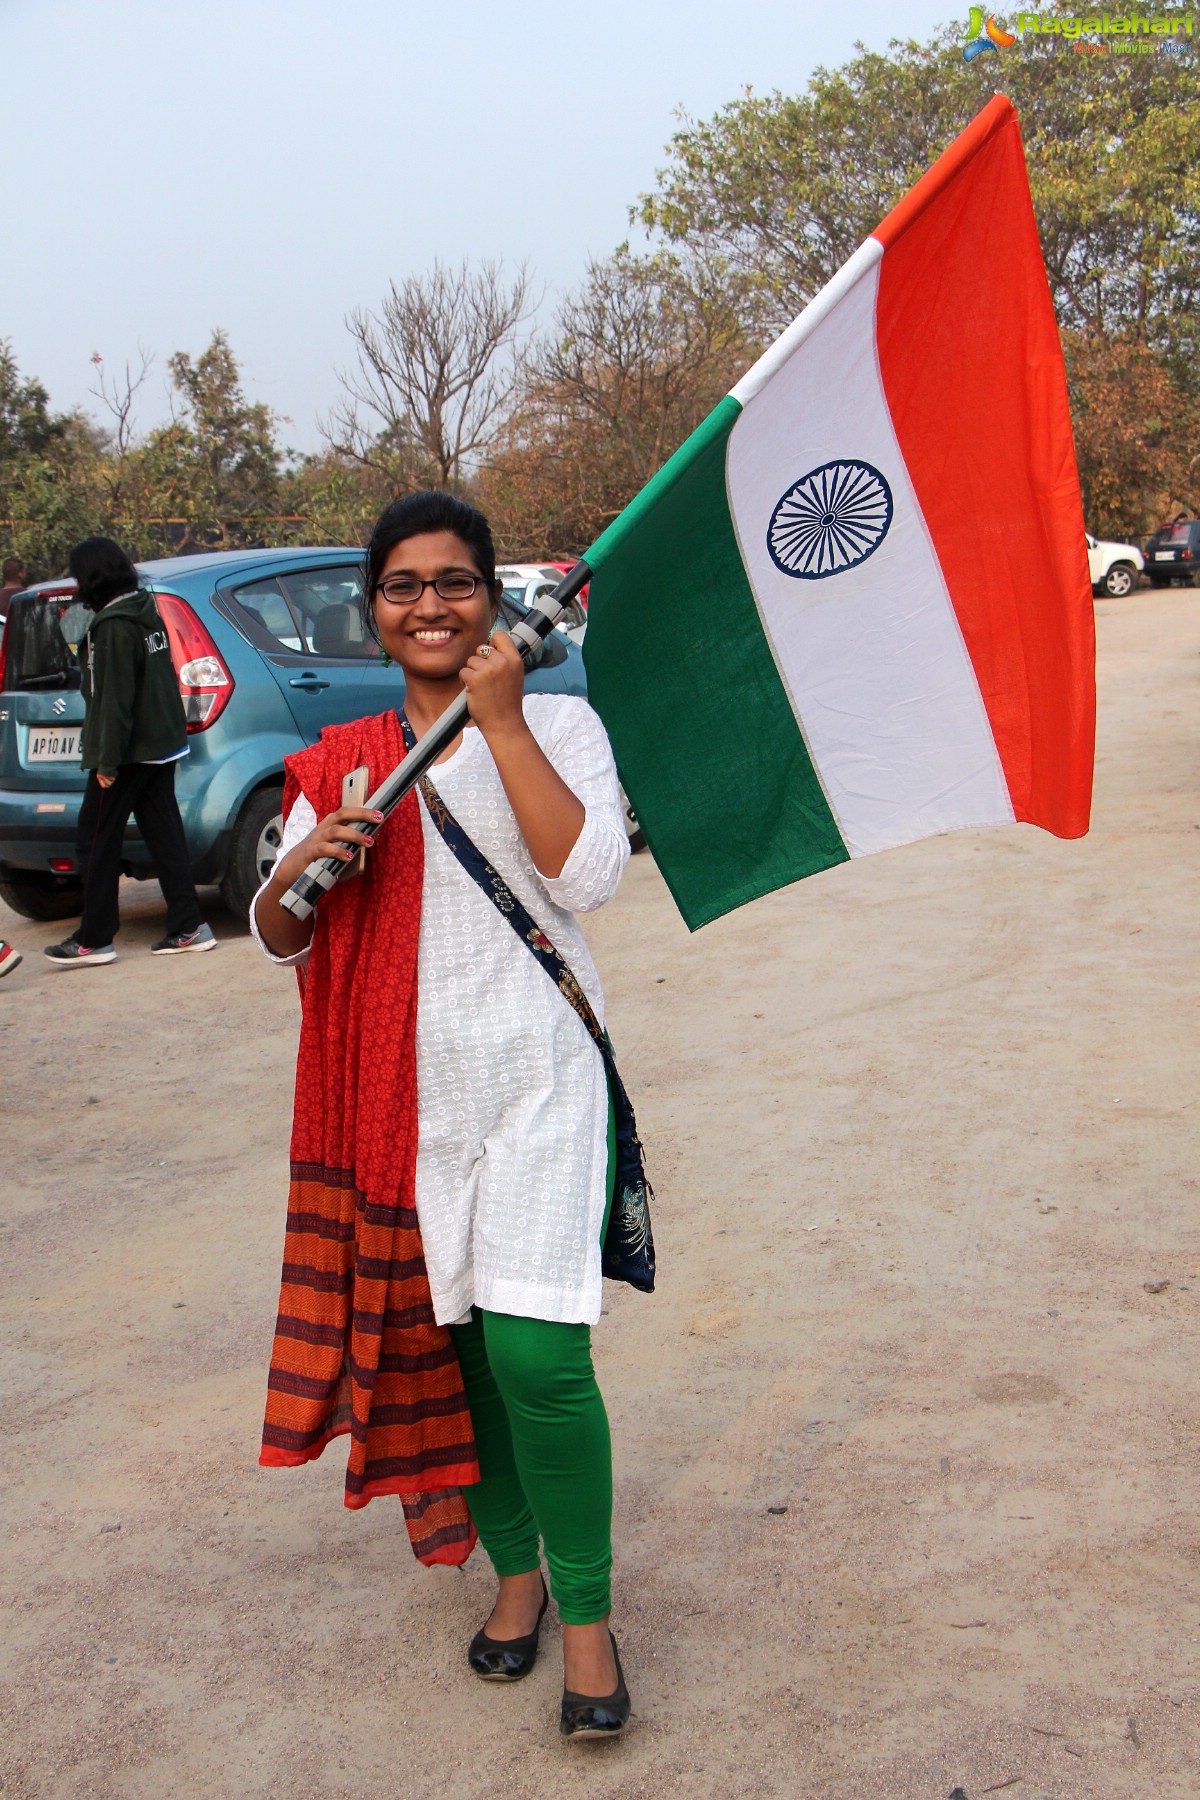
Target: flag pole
{"x":530,"y":636}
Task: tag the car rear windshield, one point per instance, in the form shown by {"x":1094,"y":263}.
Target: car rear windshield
{"x":1181,"y":534}
{"x":42,"y":642}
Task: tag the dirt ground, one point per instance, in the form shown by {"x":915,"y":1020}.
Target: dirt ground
{"x":907,"y":1451}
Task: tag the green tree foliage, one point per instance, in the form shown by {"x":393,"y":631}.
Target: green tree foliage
{"x":211,"y":478}
{"x":783,"y":187}
{"x":47,"y":473}
{"x":219,"y":459}
{"x":332,"y":498}
{"x":27,"y":426}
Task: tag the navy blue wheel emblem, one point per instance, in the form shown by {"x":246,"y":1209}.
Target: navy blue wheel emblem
{"x":832,"y":519}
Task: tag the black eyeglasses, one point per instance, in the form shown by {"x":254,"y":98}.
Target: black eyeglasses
{"x":402,"y":590}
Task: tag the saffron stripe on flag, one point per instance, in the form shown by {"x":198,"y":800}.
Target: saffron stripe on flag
{"x":1007,"y":526}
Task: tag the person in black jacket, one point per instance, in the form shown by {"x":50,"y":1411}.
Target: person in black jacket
{"x":133,"y":735}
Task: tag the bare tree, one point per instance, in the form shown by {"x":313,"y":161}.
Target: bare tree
{"x":640,"y":348}
{"x":636,"y":357}
{"x":118,"y":395}
{"x":435,"y":374}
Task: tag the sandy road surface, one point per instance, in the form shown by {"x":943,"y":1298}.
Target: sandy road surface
{"x":922,"y":1130}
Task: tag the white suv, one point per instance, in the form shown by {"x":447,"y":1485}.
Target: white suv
{"x":1114,"y":568}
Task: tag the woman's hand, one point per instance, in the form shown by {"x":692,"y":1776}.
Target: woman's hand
{"x":494,"y":679}
{"x":548,"y":814}
{"x":341,"y":834}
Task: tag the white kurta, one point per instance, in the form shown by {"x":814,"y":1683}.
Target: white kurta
{"x":512,"y":1102}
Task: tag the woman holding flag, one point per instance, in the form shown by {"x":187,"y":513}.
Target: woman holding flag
{"x":454,"y":1139}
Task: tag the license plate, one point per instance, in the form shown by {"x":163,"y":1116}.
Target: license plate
{"x":57,"y":743}
{"x":1164,"y":556}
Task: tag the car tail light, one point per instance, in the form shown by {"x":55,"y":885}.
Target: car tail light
{"x":1184,"y":556}
{"x":62,"y":865}
{"x":205,"y":683}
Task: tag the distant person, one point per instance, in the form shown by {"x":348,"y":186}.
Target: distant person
{"x":14,"y":581}
{"x":133,"y":735}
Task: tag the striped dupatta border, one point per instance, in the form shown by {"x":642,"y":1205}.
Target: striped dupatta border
{"x":357,"y":1350}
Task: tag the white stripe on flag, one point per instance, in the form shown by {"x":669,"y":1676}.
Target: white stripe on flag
{"x":872,"y":657}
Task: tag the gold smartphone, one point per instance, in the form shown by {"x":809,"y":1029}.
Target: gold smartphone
{"x":355,"y":788}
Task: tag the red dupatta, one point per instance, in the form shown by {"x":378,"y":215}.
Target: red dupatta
{"x":356,"y":1346}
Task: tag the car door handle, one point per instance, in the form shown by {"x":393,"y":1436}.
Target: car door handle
{"x":308,"y":680}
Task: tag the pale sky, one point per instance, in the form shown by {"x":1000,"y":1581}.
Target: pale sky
{"x":169,"y":166}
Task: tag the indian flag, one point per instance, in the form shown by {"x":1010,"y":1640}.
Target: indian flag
{"x":854,"y":608}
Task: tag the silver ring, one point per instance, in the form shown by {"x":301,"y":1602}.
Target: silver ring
{"x":485,"y":649}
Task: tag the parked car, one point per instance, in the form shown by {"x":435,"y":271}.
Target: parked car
{"x":1173,"y":553}
{"x":525,"y":583}
{"x":1114,"y":568}
{"x":564,"y":568}
{"x":268,"y":647}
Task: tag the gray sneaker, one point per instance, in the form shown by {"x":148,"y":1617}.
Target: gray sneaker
{"x":200,"y":939}
{"x":71,"y":954}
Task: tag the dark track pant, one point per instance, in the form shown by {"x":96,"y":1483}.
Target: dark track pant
{"x":147,"y":790}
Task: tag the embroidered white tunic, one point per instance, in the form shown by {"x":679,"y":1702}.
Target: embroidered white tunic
{"x":512,"y":1101}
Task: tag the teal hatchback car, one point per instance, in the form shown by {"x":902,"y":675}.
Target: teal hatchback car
{"x":268,"y":647}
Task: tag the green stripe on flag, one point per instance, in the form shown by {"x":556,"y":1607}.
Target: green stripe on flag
{"x":680,"y":670}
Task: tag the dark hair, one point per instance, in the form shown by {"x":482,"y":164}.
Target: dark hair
{"x":102,"y":571}
{"x":13,"y":567}
{"x":417,"y":513}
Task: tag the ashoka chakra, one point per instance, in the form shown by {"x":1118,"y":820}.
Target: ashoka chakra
{"x":831,"y":519}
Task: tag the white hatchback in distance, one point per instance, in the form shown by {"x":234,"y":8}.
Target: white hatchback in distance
{"x":1114,"y":568}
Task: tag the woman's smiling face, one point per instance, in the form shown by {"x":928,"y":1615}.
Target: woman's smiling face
{"x":432,"y":636}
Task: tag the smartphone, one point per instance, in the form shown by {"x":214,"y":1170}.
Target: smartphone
{"x":355,"y":788}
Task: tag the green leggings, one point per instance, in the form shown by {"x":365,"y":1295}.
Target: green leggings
{"x":545,"y":1455}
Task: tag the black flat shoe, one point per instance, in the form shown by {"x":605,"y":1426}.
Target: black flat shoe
{"x":507,"y":1659}
{"x":585,"y":1716}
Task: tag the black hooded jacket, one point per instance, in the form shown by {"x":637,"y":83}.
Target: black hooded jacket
{"x":134,"y":711}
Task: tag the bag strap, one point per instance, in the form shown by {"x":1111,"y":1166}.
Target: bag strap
{"x":627,"y":1253}
{"x":468,"y":853}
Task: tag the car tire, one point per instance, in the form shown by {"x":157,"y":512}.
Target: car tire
{"x":637,"y":837}
{"x":256,"y":840}
{"x":1120,"y":580}
{"x":42,"y":897}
